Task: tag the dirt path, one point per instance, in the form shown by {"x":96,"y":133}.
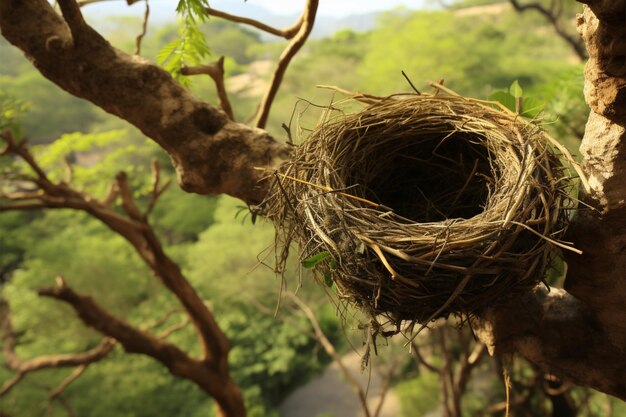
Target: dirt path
{"x":330,"y":395}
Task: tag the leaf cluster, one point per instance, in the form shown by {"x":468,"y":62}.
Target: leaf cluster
{"x":190,"y":48}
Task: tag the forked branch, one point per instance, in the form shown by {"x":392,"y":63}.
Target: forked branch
{"x":22,"y":368}
{"x":210,"y":371}
{"x":216,"y":72}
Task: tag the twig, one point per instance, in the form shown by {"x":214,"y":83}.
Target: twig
{"x":410,"y":82}
{"x":216,"y":72}
{"x":128,"y":202}
{"x":144,"y":29}
{"x":156,"y":190}
{"x":286,"y":33}
{"x":67,"y":381}
{"x":330,"y":350}
{"x":553,"y":15}
{"x":308,"y":19}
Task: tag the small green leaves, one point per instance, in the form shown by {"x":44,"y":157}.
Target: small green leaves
{"x":11,"y":111}
{"x":516,"y":90}
{"x":315,"y":259}
{"x":505,"y":98}
{"x":328,"y":280}
{"x":190,"y":48}
{"x":515,"y":101}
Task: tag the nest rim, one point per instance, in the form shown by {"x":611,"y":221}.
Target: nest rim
{"x":455,"y":265}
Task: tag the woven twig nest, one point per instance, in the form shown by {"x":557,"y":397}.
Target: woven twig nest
{"x":422,"y":206}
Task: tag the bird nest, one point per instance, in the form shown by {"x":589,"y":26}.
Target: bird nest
{"x":422,"y":206}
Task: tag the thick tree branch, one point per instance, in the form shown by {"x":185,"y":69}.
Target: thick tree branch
{"x":211,"y":153}
{"x":580,"y":335}
{"x":560,"y":334}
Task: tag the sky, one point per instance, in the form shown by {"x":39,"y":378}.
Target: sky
{"x":335,"y":8}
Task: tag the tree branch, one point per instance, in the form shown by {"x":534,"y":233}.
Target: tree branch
{"x":330,"y":350}
{"x":211,"y":153}
{"x":205,"y":374}
{"x":138,"y":232}
{"x":580,"y":335}
{"x":307,"y":19}
{"x":136,"y":229}
{"x":286,"y":33}
{"x":552,"y":15}
{"x":560,"y":334}
{"x":216,"y":72}
{"x":22,"y":368}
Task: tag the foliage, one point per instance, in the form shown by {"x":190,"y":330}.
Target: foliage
{"x":514,"y":100}
{"x":191,"y":47}
{"x":486,"y":52}
{"x":50,"y":111}
{"x":419,"y":395}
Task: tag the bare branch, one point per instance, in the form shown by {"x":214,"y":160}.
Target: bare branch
{"x":286,"y":33}
{"x":308,"y":19}
{"x":552,"y":15}
{"x":330,"y":350}
{"x":207,"y":375}
{"x":22,"y":368}
{"x":216,"y":72}
{"x":144,"y":29}
{"x":126,"y":195}
{"x":56,"y":392}
{"x":137,"y":231}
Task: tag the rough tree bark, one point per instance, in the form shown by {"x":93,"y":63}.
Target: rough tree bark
{"x":577,"y":334}
{"x":211,"y":153}
{"x":580,"y":333}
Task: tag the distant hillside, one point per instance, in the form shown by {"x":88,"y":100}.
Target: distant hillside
{"x":162,"y":13}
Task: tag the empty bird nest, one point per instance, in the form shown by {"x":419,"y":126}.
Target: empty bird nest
{"x":421,"y":206}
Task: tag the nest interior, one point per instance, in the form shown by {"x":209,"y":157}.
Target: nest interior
{"x":426,"y":205}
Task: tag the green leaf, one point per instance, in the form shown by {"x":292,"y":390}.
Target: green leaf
{"x":328,"y":280}
{"x":516,"y":90}
{"x":531,"y":107}
{"x":333,"y":263}
{"x":505,"y":98}
{"x":315,"y":259}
